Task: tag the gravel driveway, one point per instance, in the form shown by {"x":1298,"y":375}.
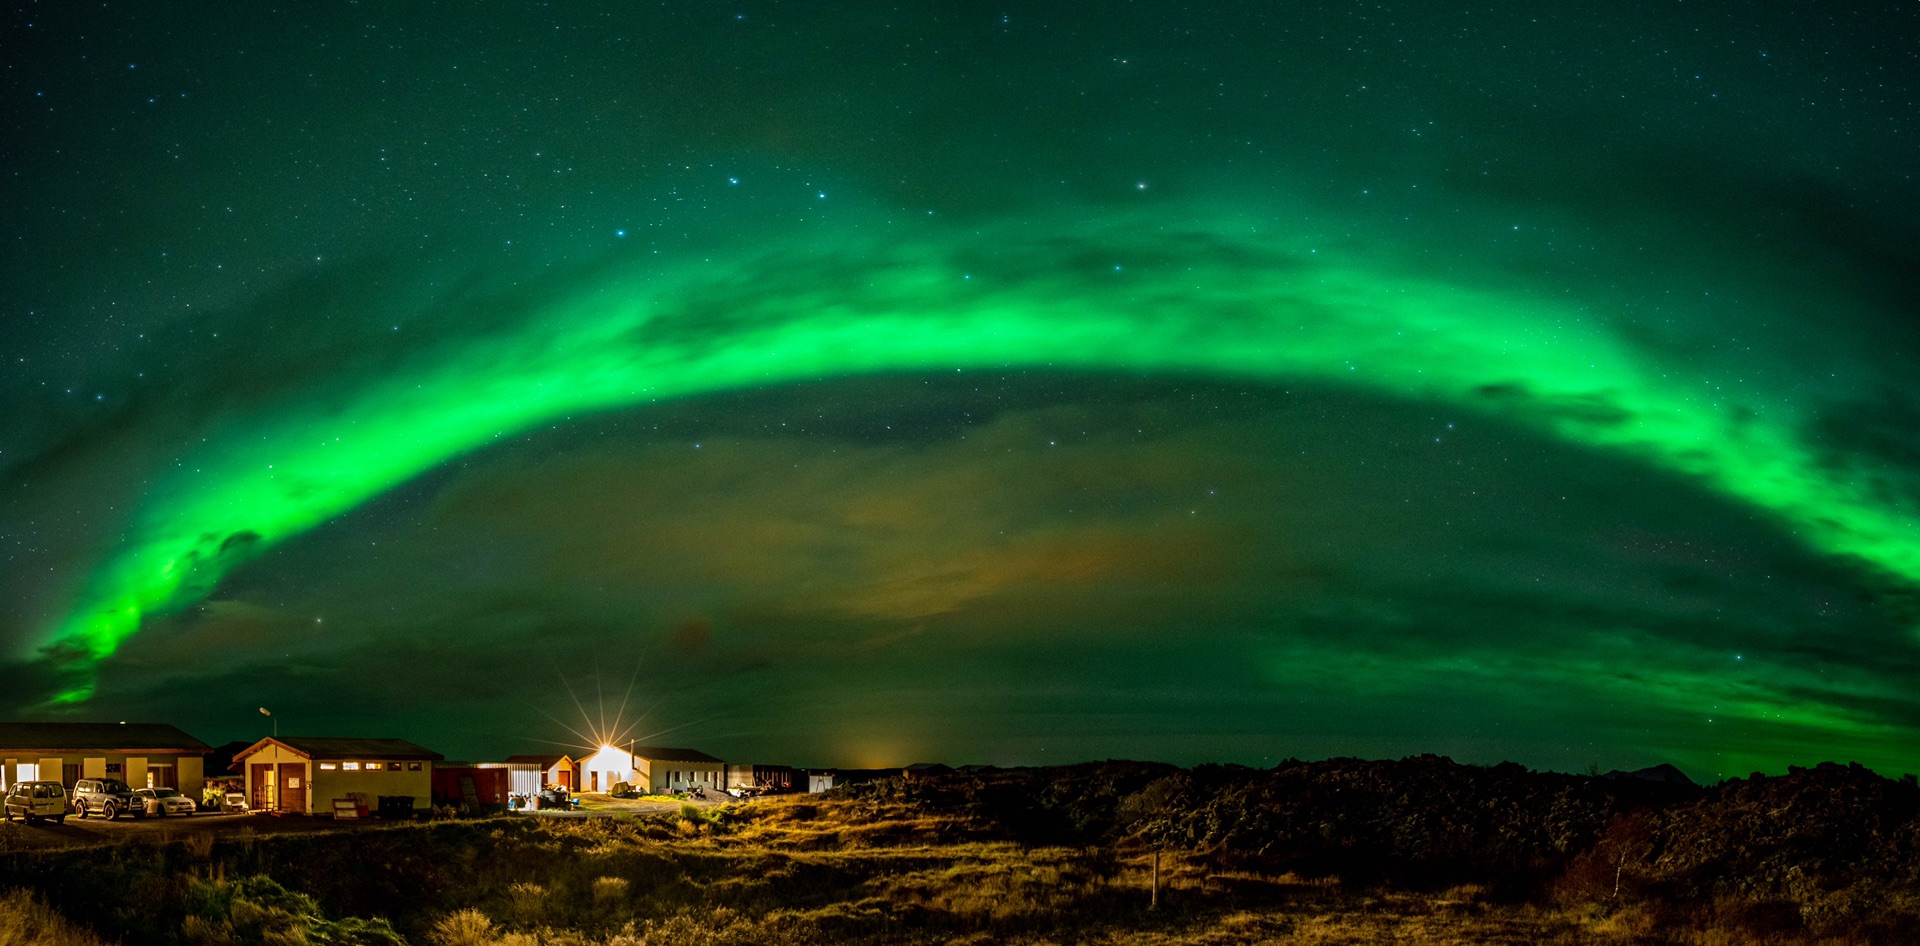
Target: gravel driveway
{"x":97,"y":830}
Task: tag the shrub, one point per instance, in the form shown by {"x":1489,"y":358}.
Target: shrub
{"x":609,"y":890}
{"x":200,"y":846}
{"x":528,"y":902}
{"x":26,"y":921}
{"x":463,"y":928}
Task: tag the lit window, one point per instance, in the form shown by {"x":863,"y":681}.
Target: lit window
{"x":329,"y":766}
{"x":393,"y":766}
{"x":350,"y":766}
{"x":413,"y":766}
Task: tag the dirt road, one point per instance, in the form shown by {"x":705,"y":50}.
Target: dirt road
{"x":154,"y":830}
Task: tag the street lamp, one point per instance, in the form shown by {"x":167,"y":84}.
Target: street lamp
{"x":276,"y":723}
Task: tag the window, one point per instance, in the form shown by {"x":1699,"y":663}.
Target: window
{"x":350,"y":766}
{"x":393,"y":766}
{"x":413,"y":766}
{"x":329,"y":766}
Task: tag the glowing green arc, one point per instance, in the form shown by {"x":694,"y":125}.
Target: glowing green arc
{"x":1216,"y":300}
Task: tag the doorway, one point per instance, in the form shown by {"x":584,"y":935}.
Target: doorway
{"x":293,"y":787}
{"x":262,"y":783}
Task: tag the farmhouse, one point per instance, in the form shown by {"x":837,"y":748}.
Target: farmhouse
{"x":662,"y":769}
{"x":144,"y":755}
{"x":653,"y":770}
{"x":322,"y":775}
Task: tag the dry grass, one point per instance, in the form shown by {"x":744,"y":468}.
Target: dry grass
{"x":527,"y":904}
{"x":807,"y":871}
{"x":26,"y":921}
{"x":199,"y":846}
{"x":463,"y":928}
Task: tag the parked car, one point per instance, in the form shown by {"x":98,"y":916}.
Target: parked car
{"x":36,"y":800}
{"x":107,"y":796}
{"x":164,"y":802}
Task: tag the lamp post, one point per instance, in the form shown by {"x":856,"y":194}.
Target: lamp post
{"x":276,"y":722}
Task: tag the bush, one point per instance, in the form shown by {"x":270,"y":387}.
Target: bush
{"x":26,"y":921}
{"x":528,"y":902}
{"x":463,"y":928}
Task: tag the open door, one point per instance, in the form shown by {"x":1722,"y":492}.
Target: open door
{"x":261,"y":786}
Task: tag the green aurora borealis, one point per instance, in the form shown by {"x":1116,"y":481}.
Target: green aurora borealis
{"x":1689,"y":317}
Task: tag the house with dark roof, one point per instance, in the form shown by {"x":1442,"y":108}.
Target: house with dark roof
{"x":144,"y":755}
{"x":654,"y":770}
{"x":331,"y":775}
{"x":662,"y":769}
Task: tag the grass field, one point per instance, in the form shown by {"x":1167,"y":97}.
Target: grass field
{"x":793,"y":870}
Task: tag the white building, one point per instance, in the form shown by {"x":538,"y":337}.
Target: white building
{"x":651,"y":770}
{"x":529,"y":774}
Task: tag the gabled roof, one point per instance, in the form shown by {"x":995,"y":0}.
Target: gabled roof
{"x":668,"y":754}
{"x":543,"y":761}
{"x":98,"y":737}
{"x":220,"y":760}
{"x":328,"y":747}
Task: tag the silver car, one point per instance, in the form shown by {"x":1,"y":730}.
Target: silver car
{"x":164,"y":801}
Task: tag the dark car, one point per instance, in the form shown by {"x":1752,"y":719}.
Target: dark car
{"x":106,"y":796}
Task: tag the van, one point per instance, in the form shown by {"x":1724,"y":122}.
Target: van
{"x":36,"y":800}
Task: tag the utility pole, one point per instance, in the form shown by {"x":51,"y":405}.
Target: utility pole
{"x":1155,"y":905}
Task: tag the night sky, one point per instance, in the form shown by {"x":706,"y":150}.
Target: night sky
{"x":867,"y":384}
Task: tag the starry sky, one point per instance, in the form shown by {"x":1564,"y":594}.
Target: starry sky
{"x":861,"y":384}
